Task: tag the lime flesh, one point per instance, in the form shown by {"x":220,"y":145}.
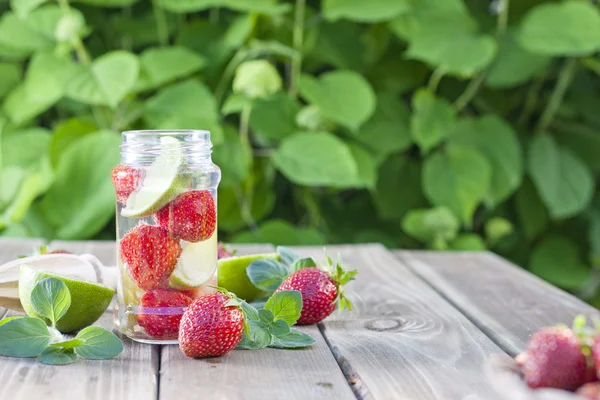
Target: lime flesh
{"x":88,"y":300}
{"x":232,"y":276}
{"x":197,"y":264}
{"x":162,"y":182}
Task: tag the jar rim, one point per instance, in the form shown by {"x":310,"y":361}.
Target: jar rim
{"x":165,"y":131}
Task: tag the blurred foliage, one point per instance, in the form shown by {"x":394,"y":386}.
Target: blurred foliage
{"x":448,"y":125}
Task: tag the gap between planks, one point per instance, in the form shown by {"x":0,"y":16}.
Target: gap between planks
{"x":403,"y":340}
{"x":506,"y":302}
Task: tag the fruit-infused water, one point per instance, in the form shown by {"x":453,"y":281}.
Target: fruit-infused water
{"x":166,"y":188}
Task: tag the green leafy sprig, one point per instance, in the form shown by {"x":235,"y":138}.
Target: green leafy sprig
{"x":37,"y":337}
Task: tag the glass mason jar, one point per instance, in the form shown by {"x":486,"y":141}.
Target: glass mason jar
{"x":166,"y":188}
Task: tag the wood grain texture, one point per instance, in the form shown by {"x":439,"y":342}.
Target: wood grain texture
{"x":403,"y":340}
{"x":263,"y":374}
{"x":506,"y":302}
{"x":132,"y":375}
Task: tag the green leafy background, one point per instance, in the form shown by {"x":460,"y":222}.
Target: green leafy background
{"x":447,"y":125}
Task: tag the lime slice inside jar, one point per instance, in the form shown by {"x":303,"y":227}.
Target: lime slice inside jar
{"x":197,"y":264}
{"x":161,"y":184}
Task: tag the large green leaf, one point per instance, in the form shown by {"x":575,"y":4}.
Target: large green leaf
{"x":398,"y":174}
{"x":343,"y":97}
{"x":445,"y":35}
{"x":496,"y":140}
{"x":34,"y":33}
{"x":186,"y":6}
{"x":564,"y":182}
{"x":568,"y":28}
{"x":316,"y":159}
{"x":339,"y":44}
{"x":44,"y":85}
{"x":184,"y":105}
{"x":583,"y":141}
{"x":457,"y":177}
{"x":366,"y":164}
{"x":164,"y":64}
{"x":233,"y":157}
{"x":531,"y":211}
{"x":107,"y":3}
{"x":432,"y":120}
{"x":106,"y":81}
{"x":10,"y":75}
{"x":279,"y":232}
{"x":357,"y":10}
{"x":387,"y":130}
{"x":81,"y":200}
{"x":23,"y":7}
{"x":557,"y":260}
{"x":273,"y":118}
{"x":65,"y":134}
{"x":463,"y":55}
{"x":24,"y":147}
{"x":436,"y":226}
{"x":514,"y":65}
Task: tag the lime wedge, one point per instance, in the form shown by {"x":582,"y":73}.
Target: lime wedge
{"x":232,"y":276}
{"x":197,"y":264}
{"x":162,"y":182}
{"x":88,"y":300}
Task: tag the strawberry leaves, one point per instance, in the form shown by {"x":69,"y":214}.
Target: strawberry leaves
{"x":268,"y":275}
{"x":271,"y":326}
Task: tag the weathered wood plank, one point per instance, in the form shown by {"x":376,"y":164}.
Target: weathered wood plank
{"x":104,"y":250}
{"x":132,"y":375}
{"x":505,"y":301}
{"x":10,"y":249}
{"x":264,"y":374}
{"x":403,"y":340}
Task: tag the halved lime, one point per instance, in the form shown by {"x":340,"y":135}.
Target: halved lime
{"x":88,"y":300}
{"x":197,"y":264}
{"x":232,"y":276}
{"x":162,"y":181}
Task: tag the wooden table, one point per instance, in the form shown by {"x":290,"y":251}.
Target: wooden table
{"x":423,"y":326}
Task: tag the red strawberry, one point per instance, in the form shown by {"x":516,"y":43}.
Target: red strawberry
{"x":555,"y":360}
{"x":589,"y":391}
{"x":192,"y":216}
{"x":126,"y":180}
{"x":320,"y":291}
{"x":165,"y":323}
{"x":223,"y":251}
{"x":209,"y":328}
{"x":150,"y":255}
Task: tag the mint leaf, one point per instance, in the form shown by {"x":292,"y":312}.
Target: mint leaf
{"x":285,"y":305}
{"x":69,"y":344}
{"x":58,"y":356}
{"x":265,"y":316}
{"x":23,"y":337}
{"x":5,"y":320}
{"x":98,"y":343}
{"x":287,"y":256}
{"x":302,"y":263}
{"x":278,"y":328}
{"x":257,"y":337}
{"x":249,"y":311}
{"x":266,"y":275}
{"x":292,"y":340}
{"x":51,"y":299}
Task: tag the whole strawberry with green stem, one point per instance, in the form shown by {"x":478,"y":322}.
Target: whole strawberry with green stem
{"x":211,"y":327}
{"x":558,"y":357}
{"x":321,"y":290}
